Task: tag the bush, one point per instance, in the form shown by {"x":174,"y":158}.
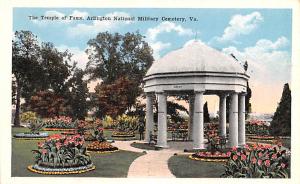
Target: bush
{"x":60,"y":122}
{"x":108,"y":122}
{"x":127,"y":123}
{"x":59,"y":151}
{"x":258,"y":161}
{"x":28,"y":116}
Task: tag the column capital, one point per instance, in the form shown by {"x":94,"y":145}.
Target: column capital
{"x":243,"y":94}
{"x":223,"y":94}
{"x":199,"y":91}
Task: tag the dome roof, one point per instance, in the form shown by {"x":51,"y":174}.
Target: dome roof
{"x":195,"y":57}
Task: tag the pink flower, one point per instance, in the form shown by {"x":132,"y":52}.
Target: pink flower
{"x":243,"y":157}
{"x":267,"y":156}
{"x":238,"y":153}
{"x":58,"y":145}
{"x":253,"y":160}
{"x":260,"y":154}
{"x":267,"y":163}
{"x":234,"y":148}
{"x":282,"y":165}
{"x":40,"y":145}
{"x":228,"y":153}
{"x":274,"y":156}
{"x":259,"y":162}
{"x":235,"y":157}
{"x":44,"y":151}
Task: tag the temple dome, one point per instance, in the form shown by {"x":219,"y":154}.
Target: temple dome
{"x":195,"y":57}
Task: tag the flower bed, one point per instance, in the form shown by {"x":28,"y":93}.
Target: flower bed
{"x":61,"y":154}
{"x":101,"y":147}
{"x":30,"y":136}
{"x":59,"y":129}
{"x":257,"y":127}
{"x":258,"y":137}
{"x":258,"y":161}
{"x":211,"y":156}
{"x":123,"y":134}
{"x":60,"y":122}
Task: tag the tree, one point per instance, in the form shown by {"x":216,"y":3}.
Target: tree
{"x":37,"y":67}
{"x":247,"y":100}
{"x":281,"y":123}
{"x":47,"y":104}
{"x":113,"y":99}
{"x":25,"y":68}
{"x":78,"y":95}
{"x":113,"y":56}
{"x":206,"y":113}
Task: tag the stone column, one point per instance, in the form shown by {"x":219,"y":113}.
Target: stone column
{"x":241,"y":115}
{"x":149,"y":116}
{"x":233,"y":120}
{"x":198,"y":132}
{"x":191,"y":114}
{"x":162,"y":120}
{"x":222,"y":115}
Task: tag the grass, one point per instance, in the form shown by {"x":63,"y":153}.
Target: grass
{"x":183,"y":167}
{"x":107,"y":165}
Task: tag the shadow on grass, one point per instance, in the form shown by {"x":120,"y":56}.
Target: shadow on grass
{"x":183,"y":167}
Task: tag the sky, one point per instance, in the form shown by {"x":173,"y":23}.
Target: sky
{"x":262,"y":37}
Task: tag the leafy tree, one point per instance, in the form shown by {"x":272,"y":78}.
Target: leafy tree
{"x":281,"y":123}
{"x":113,"y":99}
{"x":25,"y":67}
{"x":36,"y":67}
{"x":113,"y":57}
{"x":206,"y":113}
{"x":47,"y":104}
{"x":78,"y":95}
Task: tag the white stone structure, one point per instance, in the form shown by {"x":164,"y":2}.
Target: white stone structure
{"x":197,"y":70}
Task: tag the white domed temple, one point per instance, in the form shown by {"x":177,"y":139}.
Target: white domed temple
{"x":197,"y":70}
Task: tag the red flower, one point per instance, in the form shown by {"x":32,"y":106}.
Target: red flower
{"x":253,"y":160}
{"x":234,"y":148}
{"x":259,"y":162}
{"x":244,"y":157}
{"x":267,"y":163}
{"x":58,"y":145}
{"x":235,"y":157}
{"x":228,"y":153}
{"x":274,"y":156}
{"x":44,"y":151}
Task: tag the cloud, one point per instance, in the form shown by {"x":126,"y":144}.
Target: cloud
{"x":240,"y":25}
{"x":98,"y":26}
{"x":269,"y":69}
{"x":79,"y":55}
{"x":54,"y":13}
{"x":164,"y":27}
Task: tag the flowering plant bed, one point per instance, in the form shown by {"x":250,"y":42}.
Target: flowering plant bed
{"x":101,"y":147}
{"x":61,"y":154}
{"x":211,"y":156}
{"x":257,"y":127}
{"x":258,"y":161}
{"x":60,"y":122}
{"x":123,"y":134}
{"x":261,"y":137}
{"x":30,"y":136}
{"x":59,"y":129}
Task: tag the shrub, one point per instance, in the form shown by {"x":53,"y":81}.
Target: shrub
{"x":35,"y":126}
{"x":59,"y":151}
{"x":28,"y":116}
{"x":258,"y":161}
{"x":108,"y":122}
{"x":257,"y":127}
{"x":127,"y":123}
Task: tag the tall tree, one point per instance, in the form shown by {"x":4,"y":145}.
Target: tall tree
{"x":247,"y":100}
{"x":37,"y":67}
{"x":206,"y":113}
{"x":25,"y":68}
{"x":281,"y":123}
{"x":78,"y":95}
{"x":113,"y":56}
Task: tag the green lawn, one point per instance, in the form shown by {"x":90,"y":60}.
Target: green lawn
{"x":107,"y":165}
{"x":183,"y":167}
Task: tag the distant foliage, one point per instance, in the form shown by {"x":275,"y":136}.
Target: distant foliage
{"x":28,"y":116}
{"x":281,"y":123}
{"x":47,"y":104}
{"x":206,"y":113}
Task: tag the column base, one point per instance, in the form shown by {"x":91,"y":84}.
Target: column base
{"x":162,"y":146}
